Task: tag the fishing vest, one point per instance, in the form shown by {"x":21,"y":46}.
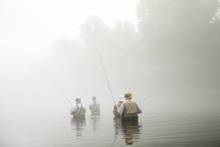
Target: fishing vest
{"x":80,"y":111}
{"x":130,"y":109}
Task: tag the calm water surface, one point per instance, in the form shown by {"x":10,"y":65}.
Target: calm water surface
{"x":153,"y":129}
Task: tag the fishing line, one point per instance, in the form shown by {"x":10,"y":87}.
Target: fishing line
{"x":62,"y":93}
{"x":59,"y":89}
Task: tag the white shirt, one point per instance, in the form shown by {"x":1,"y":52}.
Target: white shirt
{"x":75,"y":107}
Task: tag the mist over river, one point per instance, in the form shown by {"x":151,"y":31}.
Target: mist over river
{"x":166,"y":53}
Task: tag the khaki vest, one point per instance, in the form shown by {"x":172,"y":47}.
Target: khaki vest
{"x":130,"y":109}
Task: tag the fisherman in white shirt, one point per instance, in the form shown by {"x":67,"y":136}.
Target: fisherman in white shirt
{"x":78,"y":110}
{"x":94,"y":107}
{"x":117,"y":106}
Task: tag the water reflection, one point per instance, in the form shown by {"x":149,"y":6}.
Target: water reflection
{"x":78,"y":125}
{"x":94,"y":119}
{"x":129,"y":130}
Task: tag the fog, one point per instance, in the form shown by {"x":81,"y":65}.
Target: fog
{"x":159,"y":50}
{"x":167,"y":53}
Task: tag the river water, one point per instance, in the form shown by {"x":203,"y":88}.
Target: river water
{"x":54,"y":127}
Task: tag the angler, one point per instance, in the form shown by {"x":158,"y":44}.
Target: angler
{"x":129,"y":110}
{"x":78,"y":110}
{"x":94,"y":107}
{"x":117,"y":106}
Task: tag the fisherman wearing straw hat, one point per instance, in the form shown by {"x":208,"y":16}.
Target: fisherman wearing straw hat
{"x":129,"y":110}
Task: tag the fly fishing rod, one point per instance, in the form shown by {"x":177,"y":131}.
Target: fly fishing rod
{"x":59,"y":89}
{"x":105,"y":74}
{"x":61,"y":92}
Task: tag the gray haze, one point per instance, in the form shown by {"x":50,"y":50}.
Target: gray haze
{"x":169,"y":60}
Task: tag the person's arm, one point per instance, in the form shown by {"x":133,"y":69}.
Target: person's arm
{"x":139,"y":109}
{"x":72,"y":110}
{"x":114,"y":108}
{"x":83,"y":106}
{"x":117,"y":106}
{"x":121,"y":109}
